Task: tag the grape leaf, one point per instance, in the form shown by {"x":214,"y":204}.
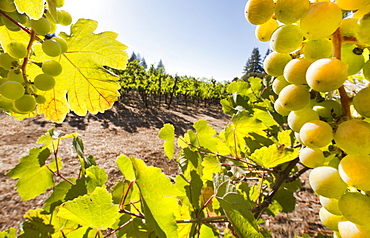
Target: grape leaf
{"x":126,"y":167}
{"x":58,"y":195}
{"x":84,"y":81}
{"x":7,"y":36}
{"x":9,"y":233}
{"x":273,"y":156}
{"x":95,"y":210}
{"x":134,"y":228}
{"x":34,"y":8}
{"x":211,"y":165}
{"x":95,"y":177}
{"x":34,"y":176}
{"x":168,"y":133}
{"x":205,"y":135}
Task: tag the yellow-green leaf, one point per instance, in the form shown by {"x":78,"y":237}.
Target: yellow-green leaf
{"x":33,"y":8}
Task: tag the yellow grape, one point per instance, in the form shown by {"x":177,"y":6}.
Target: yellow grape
{"x":44,"y":82}
{"x":355,"y":170}
{"x":328,"y":109}
{"x":66,"y":18}
{"x":365,"y":70}
{"x":295,"y":70}
{"x":16,"y":49}
{"x":280,"y":109}
{"x":41,"y":26}
{"x":278,"y":84}
{"x":316,"y":134}
{"x":361,"y":102}
{"x":355,"y":207}
{"x":330,"y":204}
{"x":329,"y":220}
{"x":321,"y":20}
{"x":7,"y":62}
{"x":7,"y":6}
{"x":12,"y":90}
{"x":311,"y":157}
{"x":15,"y":75}
{"x":325,"y":181}
{"x":275,"y":62}
{"x":348,"y":27}
{"x":353,"y":137}
{"x":318,"y":49}
{"x":354,"y":60}
{"x":258,"y":12}
{"x":290,"y":11}
{"x":351,"y":5}
{"x":294,"y":97}
{"x":40,"y":99}
{"x":27,"y":103}
{"x":52,"y":67}
{"x":361,"y":12}
{"x":62,"y":43}
{"x":349,"y":229}
{"x":60,"y":3}
{"x":263,"y":32}
{"x":297,"y":136}
{"x":51,"y":48}
{"x":286,"y":38}
{"x":296,"y":119}
{"x":362,"y":30}
{"x":326,"y":74}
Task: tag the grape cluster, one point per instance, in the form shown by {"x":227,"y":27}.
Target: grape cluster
{"x":18,"y":92}
{"x":314,"y":51}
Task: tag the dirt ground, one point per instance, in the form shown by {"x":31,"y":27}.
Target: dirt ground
{"x":131,"y":130}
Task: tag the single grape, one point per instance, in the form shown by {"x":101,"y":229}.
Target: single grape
{"x":362,"y":30}
{"x":352,"y":5}
{"x":366,"y":70}
{"x":328,"y":109}
{"x":9,"y":24}
{"x":361,"y":12}
{"x":12,"y":90}
{"x":316,"y":134}
{"x":353,"y":137}
{"x":350,"y":204}
{"x":41,"y":26}
{"x":361,"y":102}
{"x":7,"y":6}
{"x":60,"y":3}
{"x":355,"y":61}
{"x":44,"y":82}
{"x":286,"y":38}
{"x":295,"y":70}
{"x":294,"y":97}
{"x":52,"y":67}
{"x":331,"y":205}
{"x":355,"y":170}
{"x":27,"y":103}
{"x":275,"y":62}
{"x":327,"y":74}
{"x":280,"y":109}
{"x":318,"y":49}
{"x":325,"y":181}
{"x":258,"y":12}
{"x":51,"y":48}
{"x":329,"y":220}
{"x":7,"y":62}
{"x":349,"y":229}
{"x":15,"y":75}
{"x":66,"y":19}
{"x":290,"y":11}
{"x":16,"y":49}
{"x":321,"y":20}
{"x":348,"y":27}
{"x":263,"y":32}
{"x":62,"y":43}
{"x":40,"y":99}
{"x":296,"y":119}
{"x":278,"y":84}
{"x":311,"y":158}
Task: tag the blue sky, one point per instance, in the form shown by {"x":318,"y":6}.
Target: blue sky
{"x":200,"y":38}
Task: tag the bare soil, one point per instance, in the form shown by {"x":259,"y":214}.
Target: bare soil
{"x":128,"y":129}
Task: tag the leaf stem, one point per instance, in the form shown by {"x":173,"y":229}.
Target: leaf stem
{"x":119,"y":228}
{"x":26,"y":59}
{"x":205,"y":220}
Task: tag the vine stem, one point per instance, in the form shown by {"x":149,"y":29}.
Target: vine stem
{"x":205,"y":219}
{"x":26,"y":59}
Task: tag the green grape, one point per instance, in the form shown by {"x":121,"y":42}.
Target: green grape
{"x":27,"y":103}
{"x":280,"y":109}
{"x":295,"y":70}
{"x":331,"y":205}
{"x":325,"y":181}
{"x":6,"y":104}
{"x":366,"y":70}
{"x":362,"y":30}
{"x":318,"y":49}
{"x":348,"y":27}
{"x":361,"y":12}
{"x":7,"y":62}
{"x":275,"y":62}
{"x":24,"y":19}
{"x":349,"y":229}
{"x":355,"y":170}
{"x":9,"y":24}
{"x":328,"y":109}
{"x":286,"y":38}
{"x":15,"y":75}
{"x":311,"y":158}
{"x":278,"y":84}
{"x":296,"y":119}
{"x":316,"y":134}
{"x":53,"y":28}
{"x":12,"y":90}
{"x":329,"y":220}
{"x":17,"y":49}
{"x":355,"y":207}
{"x":294,"y":97}
{"x":51,"y":48}
{"x":62,"y":43}
{"x":326,"y":74}
{"x":40,"y":99}
{"x":290,"y":11}
{"x":352,"y":5}
{"x":353,"y":137}
{"x":60,"y":3}
{"x":7,"y":6}
{"x":66,"y":19}
{"x":355,"y":61}
{"x":44,"y":82}
{"x":258,"y":12}
{"x":263,"y":32}
{"x":361,"y":102}
{"x":321,"y":20}
{"x":41,"y":26}
{"x":52,"y":67}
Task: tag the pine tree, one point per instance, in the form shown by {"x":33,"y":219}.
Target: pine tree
{"x":133,"y":57}
{"x":160,"y":67}
{"x":253,"y":67}
{"x":143,"y":63}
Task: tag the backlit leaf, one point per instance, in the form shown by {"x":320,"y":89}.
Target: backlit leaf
{"x":167,"y":133}
{"x":273,"y":156}
{"x":33,"y":8}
